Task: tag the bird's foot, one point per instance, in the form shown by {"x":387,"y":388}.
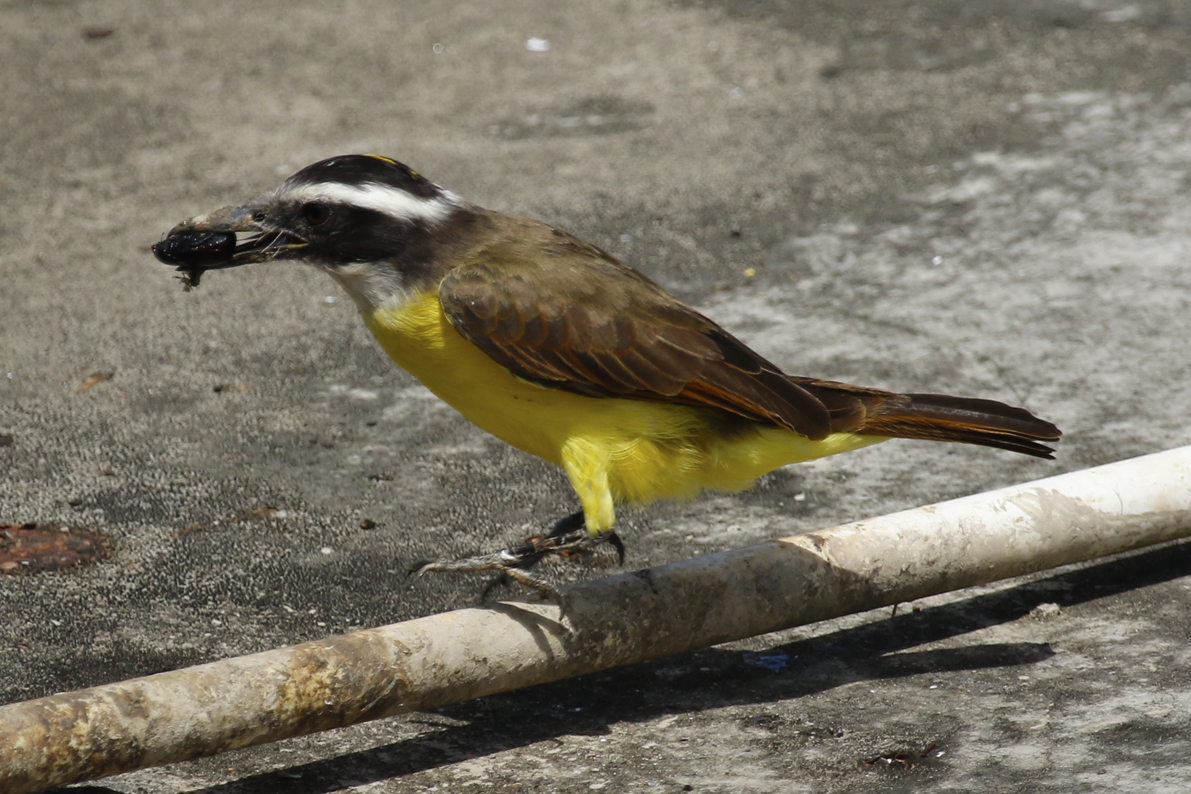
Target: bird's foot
{"x":568,"y":537}
{"x":506,"y":561}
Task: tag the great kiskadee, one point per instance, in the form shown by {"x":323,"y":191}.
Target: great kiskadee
{"x":563,"y":351}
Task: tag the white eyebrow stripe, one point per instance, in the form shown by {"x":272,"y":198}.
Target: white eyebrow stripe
{"x":391,"y":201}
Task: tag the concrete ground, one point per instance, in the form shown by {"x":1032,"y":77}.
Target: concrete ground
{"x":980,"y":197}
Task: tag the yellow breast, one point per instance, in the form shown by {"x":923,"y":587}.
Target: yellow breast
{"x":612,"y":450}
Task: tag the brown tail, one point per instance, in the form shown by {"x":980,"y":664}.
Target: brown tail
{"x":936,"y":417}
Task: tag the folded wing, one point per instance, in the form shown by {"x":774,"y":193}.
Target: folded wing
{"x":579,"y":320}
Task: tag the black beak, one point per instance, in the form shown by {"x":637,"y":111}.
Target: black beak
{"x":209,"y":242}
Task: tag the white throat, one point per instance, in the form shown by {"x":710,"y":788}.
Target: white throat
{"x":371,"y":285}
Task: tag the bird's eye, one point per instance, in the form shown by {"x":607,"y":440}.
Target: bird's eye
{"x":316,"y":214}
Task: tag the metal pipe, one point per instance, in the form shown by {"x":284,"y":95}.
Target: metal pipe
{"x":634,"y":617}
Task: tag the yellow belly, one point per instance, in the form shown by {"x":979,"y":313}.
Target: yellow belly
{"x":613,"y":451}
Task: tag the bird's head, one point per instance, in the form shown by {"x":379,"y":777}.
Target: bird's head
{"x":371,"y":222}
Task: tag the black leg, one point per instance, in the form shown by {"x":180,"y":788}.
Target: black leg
{"x":566,"y":531}
{"x":568,"y":524}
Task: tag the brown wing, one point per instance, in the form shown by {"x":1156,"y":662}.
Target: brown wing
{"x":560,"y":313}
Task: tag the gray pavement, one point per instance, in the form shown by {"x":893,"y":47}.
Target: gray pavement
{"x":980,"y":197}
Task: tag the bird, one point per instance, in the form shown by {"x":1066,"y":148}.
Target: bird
{"x":561,"y":350}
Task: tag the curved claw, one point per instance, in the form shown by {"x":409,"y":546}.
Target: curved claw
{"x":418,"y":568}
{"x":617,"y":543}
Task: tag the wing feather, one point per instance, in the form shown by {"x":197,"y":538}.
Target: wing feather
{"x":563,"y":314}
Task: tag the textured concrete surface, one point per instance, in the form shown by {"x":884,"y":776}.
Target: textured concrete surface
{"x":981,"y":197}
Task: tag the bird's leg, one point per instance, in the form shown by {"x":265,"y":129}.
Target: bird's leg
{"x":568,"y":535}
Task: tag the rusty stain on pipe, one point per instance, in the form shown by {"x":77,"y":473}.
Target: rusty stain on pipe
{"x":467,"y":653}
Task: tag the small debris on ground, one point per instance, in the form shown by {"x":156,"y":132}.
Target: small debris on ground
{"x":904,"y":759}
{"x":32,"y":547}
{"x":773,"y":662}
{"x":260,"y":514}
{"x":93,"y":380}
{"x":1045,"y":611}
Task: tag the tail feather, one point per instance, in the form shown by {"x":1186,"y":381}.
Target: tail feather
{"x":937,"y":417}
